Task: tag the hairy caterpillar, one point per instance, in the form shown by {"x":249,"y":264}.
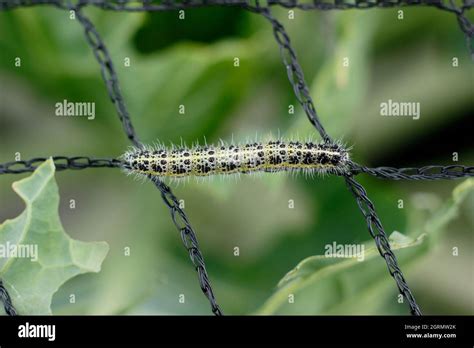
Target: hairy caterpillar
{"x":272,"y":156}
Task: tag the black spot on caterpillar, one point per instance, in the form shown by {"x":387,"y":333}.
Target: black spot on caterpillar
{"x":272,"y":156}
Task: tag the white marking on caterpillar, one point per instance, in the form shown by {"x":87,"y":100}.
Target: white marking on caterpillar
{"x":208,"y":160}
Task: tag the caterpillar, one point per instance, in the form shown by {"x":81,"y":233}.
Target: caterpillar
{"x":271,"y":156}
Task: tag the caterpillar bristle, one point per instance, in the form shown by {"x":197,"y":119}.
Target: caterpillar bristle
{"x":178,"y":162}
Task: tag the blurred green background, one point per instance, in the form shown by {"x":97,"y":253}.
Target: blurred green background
{"x":191,"y":62}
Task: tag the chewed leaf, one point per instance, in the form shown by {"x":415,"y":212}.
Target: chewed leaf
{"x":36,"y":255}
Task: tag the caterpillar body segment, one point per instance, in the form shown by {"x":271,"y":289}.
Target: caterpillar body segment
{"x":209,"y":160}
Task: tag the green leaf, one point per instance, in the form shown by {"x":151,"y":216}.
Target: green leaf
{"x":311,"y":266}
{"x":329,"y":285}
{"x":339,"y":90}
{"x":52,"y":256}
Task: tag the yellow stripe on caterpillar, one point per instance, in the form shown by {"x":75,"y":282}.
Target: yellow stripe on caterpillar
{"x":272,"y":156}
